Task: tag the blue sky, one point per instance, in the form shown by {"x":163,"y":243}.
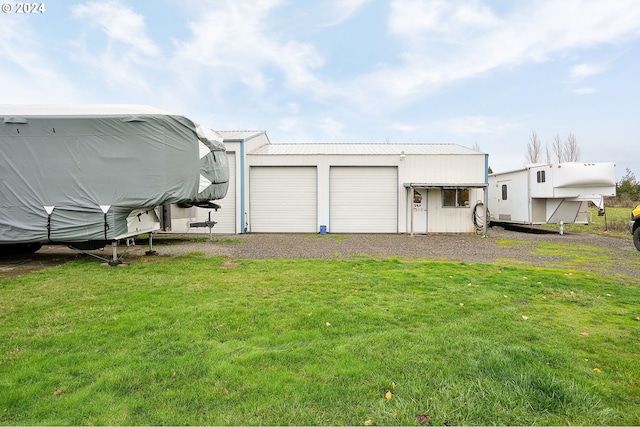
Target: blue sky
{"x":476,"y":73}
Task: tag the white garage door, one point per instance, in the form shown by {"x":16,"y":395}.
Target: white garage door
{"x":226,"y":216}
{"x":283,"y":199}
{"x":363,"y":200}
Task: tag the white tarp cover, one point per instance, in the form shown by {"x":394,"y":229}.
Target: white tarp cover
{"x":60,"y":167}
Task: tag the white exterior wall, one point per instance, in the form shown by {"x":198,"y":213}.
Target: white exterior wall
{"x":517,"y":207}
{"x":241,"y":144}
{"x":441,"y":219}
{"x":433,"y":169}
{"x":436,"y":170}
{"x":443,"y":168}
{"x":238,"y":168}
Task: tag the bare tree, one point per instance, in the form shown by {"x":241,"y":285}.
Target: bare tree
{"x":563,"y":151}
{"x":534,"y":149}
{"x":571,"y":149}
{"x":547,"y":153}
{"x":558,"y":149}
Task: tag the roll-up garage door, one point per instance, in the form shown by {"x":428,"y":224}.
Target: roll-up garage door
{"x":283,"y":199}
{"x":226,"y":216}
{"x":363,"y":200}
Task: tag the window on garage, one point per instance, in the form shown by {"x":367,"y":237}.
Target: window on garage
{"x":455,"y":197}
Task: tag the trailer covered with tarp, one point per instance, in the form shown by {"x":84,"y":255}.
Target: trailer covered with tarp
{"x":88,"y":175}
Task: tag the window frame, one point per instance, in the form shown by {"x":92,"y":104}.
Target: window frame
{"x":458,"y":200}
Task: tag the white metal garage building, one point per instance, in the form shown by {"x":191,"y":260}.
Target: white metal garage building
{"x":343,"y":188}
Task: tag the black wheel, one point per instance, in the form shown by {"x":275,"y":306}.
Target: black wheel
{"x":636,"y":238}
{"x":33,"y":247}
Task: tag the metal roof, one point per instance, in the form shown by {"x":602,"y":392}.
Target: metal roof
{"x":239,"y":135}
{"x":361,"y":149}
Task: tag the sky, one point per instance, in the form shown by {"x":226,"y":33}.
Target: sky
{"x":482,"y":74}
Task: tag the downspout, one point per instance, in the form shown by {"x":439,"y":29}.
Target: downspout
{"x":243,"y":214}
{"x":243,"y":190}
{"x":486,"y":196}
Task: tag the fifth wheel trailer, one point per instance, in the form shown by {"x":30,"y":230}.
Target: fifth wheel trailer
{"x":550,"y":193}
{"x":85,"y":176}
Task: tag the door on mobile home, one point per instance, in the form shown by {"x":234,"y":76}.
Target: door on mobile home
{"x":504,"y":202}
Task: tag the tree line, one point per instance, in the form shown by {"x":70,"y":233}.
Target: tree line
{"x":561,"y":150}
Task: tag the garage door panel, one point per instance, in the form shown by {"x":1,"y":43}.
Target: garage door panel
{"x":283,"y":199}
{"x":363,"y":200}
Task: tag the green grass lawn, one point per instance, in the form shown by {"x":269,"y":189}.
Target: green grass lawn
{"x":614,"y":223}
{"x":196,"y":340}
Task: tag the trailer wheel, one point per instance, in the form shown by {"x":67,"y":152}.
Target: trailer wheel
{"x":636,"y":238}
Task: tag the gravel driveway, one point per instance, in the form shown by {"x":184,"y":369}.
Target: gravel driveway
{"x":610,"y":256}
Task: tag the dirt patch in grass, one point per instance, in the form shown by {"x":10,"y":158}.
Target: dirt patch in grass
{"x":230,"y":264}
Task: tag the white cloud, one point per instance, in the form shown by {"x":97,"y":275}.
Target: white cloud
{"x":293,"y":107}
{"x":418,"y":18}
{"x":128,"y":48}
{"x":586,"y":70}
{"x":438,"y":42}
{"x":476,"y":125}
{"x":444,"y":42}
{"x":234,"y":38}
{"x":339,"y":11}
{"x":287,"y":124}
{"x":331,"y":127}
{"x":119,"y":23}
{"x":584,"y":91}
{"x":25,"y":68}
{"x":403,"y":127}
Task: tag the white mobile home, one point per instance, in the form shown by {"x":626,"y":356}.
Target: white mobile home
{"x":345,"y":188}
{"x":550,"y":193}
